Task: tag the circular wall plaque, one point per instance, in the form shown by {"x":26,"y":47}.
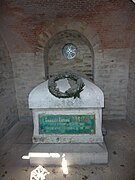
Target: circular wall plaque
{"x":69,"y":51}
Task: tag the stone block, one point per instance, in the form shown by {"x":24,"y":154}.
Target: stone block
{"x":75,"y":154}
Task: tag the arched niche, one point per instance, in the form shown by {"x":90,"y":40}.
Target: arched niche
{"x":52,"y":30}
{"x":56,"y":62}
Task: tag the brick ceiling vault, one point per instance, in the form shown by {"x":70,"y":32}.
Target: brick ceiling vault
{"x":22,"y":21}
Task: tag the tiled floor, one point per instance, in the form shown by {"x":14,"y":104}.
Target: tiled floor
{"x":120,"y":141}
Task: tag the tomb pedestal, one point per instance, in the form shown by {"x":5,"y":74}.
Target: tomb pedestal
{"x":70,"y":126}
{"x":75,"y":154}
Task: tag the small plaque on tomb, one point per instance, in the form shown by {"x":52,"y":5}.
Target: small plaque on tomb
{"x":66,"y":124}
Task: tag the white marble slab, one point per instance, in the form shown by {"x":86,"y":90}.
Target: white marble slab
{"x":91,"y":96}
{"x":91,"y":102}
{"x":75,"y":154}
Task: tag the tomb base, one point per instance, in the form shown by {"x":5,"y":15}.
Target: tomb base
{"x":75,"y":154}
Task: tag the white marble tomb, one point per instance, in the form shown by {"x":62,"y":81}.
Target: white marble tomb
{"x":79,"y":148}
{"x":91,"y":102}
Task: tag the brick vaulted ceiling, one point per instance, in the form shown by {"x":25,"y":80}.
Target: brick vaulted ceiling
{"x":21,"y":21}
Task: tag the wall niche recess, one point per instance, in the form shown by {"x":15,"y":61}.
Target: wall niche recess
{"x":69,"y":50}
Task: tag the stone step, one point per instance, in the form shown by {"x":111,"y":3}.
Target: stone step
{"x":75,"y":154}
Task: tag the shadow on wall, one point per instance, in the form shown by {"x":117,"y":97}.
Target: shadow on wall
{"x":8,"y":107}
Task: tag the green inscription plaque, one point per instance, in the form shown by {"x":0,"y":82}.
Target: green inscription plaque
{"x":66,"y":124}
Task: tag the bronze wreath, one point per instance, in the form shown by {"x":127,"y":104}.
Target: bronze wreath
{"x":74,"y":91}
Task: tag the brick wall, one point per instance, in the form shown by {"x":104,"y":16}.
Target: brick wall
{"x":8,"y":107}
{"x":28,"y":71}
{"x":131,"y":88}
{"x":112,"y":77}
{"x":28,"y":27}
{"x":82,"y":63}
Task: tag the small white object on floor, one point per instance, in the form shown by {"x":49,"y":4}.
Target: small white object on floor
{"x":39,"y":173}
{"x":64,"y":165}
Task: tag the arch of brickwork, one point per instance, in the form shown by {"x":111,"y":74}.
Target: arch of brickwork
{"x":51,"y":30}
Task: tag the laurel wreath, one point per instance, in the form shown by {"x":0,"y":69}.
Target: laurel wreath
{"x":75,"y":89}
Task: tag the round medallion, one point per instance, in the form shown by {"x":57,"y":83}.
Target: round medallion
{"x":69,"y":51}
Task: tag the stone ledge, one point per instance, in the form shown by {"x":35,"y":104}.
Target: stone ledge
{"x":75,"y":154}
{"x":70,"y":138}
